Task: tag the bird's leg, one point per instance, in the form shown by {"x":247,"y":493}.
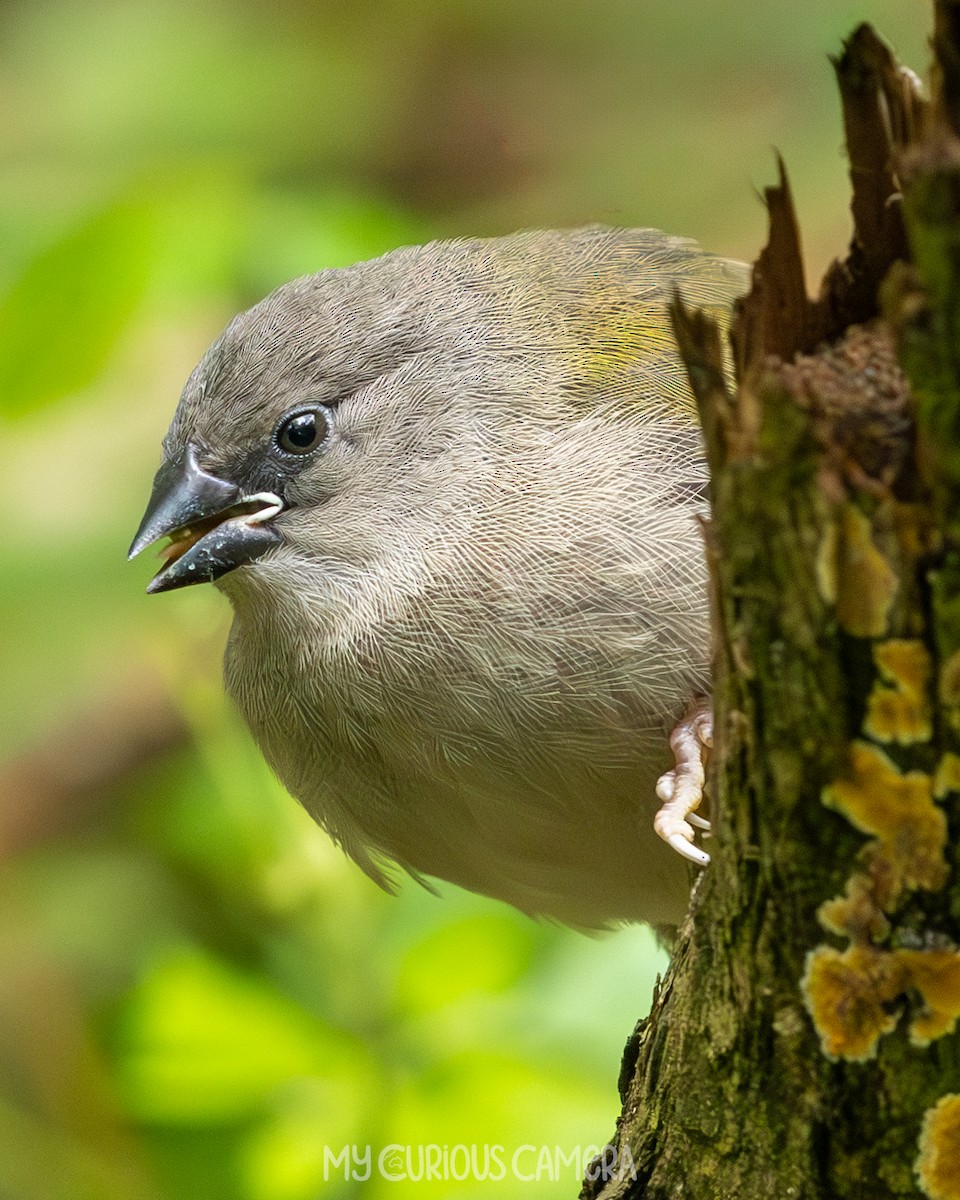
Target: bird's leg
{"x":681,"y":789}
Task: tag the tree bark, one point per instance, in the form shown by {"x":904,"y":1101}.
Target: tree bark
{"x":804,"y":1041}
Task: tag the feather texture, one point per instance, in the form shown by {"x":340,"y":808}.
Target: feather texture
{"x":489,"y":602}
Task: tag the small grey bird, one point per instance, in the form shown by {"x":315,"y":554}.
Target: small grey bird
{"x":452,"y":496}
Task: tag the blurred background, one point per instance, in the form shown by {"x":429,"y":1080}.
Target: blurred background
{"x":198,"y":994}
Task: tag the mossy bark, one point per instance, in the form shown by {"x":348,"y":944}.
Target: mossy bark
{"x":804,"y":1041}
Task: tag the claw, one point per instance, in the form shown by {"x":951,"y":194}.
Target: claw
{"x":687,"y":849}
{"x":681,"y":789}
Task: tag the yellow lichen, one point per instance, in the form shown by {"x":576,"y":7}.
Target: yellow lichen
{"x":845,"y":992}
{"x":938,"y":1163}
{"x":899,"y":810}
{"x":849,"y":993}
{"x":898,"y":709}
{"x":935,"y":976}
{"x":946,"y":778}
{"x":866,"y":583}
{"x":858,"y":913}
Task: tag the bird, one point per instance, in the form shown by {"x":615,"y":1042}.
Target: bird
{"x":454,"y":497}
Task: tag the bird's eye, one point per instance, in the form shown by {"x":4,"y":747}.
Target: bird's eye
{"x":302,"y":432}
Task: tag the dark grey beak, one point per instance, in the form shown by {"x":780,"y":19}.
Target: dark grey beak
{"x":213,"y":526}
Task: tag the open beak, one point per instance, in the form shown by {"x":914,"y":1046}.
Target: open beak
{"x":213,"y":526}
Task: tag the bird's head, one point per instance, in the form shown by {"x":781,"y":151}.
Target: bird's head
{"x":303,"y":413}
{"x":347,"y":416}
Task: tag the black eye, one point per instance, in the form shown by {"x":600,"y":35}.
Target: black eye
{"x":302,"y":432}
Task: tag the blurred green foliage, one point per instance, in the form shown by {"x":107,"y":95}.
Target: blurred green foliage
{"x":62,"y":318}
{"x":199,"y":996}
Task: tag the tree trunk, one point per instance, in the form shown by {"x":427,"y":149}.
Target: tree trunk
{"x":804,"y":1041}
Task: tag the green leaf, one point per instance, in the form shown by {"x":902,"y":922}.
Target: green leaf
{"x":62,"y":318}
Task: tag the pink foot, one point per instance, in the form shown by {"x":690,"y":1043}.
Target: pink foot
{"x":681,"y":789}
